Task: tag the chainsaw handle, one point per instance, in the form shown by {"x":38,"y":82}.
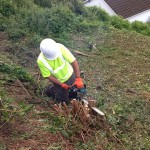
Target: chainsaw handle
{"x":75,"y":89}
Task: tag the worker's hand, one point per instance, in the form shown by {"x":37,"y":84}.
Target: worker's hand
{"x":65,"y":86}
{"x":79,"y":83}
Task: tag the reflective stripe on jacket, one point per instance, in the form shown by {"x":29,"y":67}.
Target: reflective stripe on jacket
{"x":57,"y":71}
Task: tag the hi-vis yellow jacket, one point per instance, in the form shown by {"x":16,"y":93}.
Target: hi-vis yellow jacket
{"x":59,"y":67}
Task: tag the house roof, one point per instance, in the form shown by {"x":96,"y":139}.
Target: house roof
{"x":128,"y":8}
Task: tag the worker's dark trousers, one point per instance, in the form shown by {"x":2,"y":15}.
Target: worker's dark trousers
{"x":58,"y":93}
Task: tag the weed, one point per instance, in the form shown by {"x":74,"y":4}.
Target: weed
{"x":9,"y":109}
{"x":16,"y":71}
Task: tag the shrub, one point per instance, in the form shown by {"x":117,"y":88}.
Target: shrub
{"x":63,"y":38}
{"x":44,"y":3}
{"x":36,"y":20}
{"x":16,"y":33}
{"x":141,"y":27}
{"x":98,"y":14}
{"x":7,"y":8}
{"x":146,"y":32}
{"x":138,"y":26}
{"x":63,"y":19}
{"x":85,"y":26}
{"x":23,"y":3}
{"x":9,"y":110}
{"x":55,"y":20}
{"x":16,"y":71}
{"x":119,"y":22}
{"x":14,"y":26}
{"x":78,"y":7}
{"x":35,"y":40}
{"x":3,"y":23}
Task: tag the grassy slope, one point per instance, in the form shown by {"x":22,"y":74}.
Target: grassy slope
{"x":117,"y":76}
{"x":119,"y":67}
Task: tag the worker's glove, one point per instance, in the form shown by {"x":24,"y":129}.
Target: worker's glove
{"x":65,"y":86}
{"x":79,"y":83}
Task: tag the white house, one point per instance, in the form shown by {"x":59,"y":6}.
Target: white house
{"x":131,"y":10}
{"x":143,"y":16}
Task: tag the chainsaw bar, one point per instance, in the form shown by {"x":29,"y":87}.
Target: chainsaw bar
{"x":93,"y":108}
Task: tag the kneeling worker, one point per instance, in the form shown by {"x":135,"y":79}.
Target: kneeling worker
{"x":58,"y":64}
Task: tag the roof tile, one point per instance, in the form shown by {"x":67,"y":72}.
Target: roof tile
{"x":128,"y":8}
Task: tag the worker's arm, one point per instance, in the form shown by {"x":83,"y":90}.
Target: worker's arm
{"x":76,"y":69}
{"x":78,"y":82}
{"x":56,"y":81}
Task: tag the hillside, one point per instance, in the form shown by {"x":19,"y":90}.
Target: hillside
{"x":117,"y":75}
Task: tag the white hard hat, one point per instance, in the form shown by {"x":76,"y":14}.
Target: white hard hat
{"x":50,"y":49}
